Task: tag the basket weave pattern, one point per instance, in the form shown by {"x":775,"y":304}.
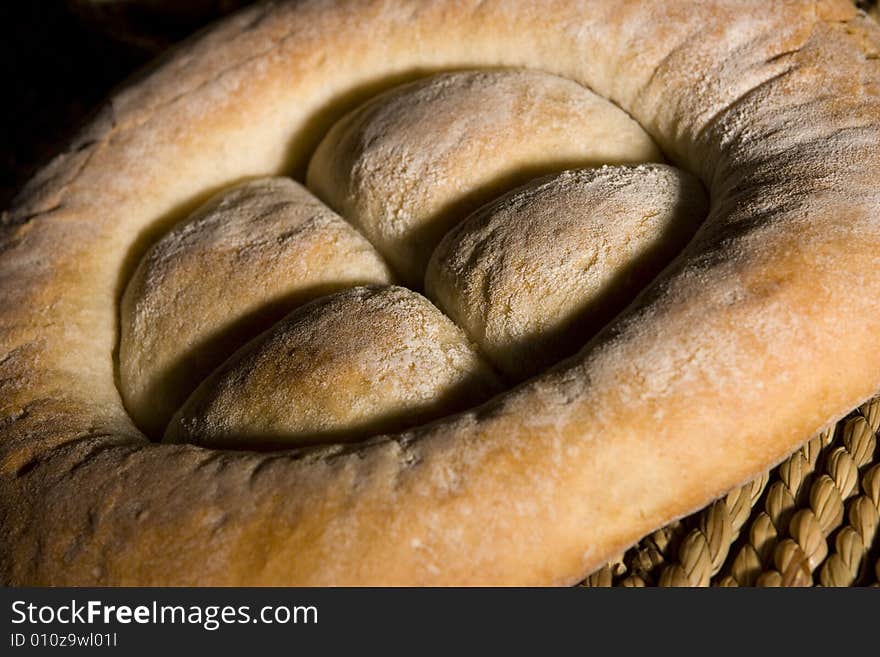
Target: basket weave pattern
{"x":811,"y":521}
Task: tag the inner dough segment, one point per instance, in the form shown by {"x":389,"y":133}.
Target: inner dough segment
{"x":345,"y":367}
{"x":532,"y":275}
{"x":409,"y":164}
{"x":238,"y":264}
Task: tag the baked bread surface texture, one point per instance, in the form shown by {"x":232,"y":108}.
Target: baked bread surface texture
{"x":347,"y":366}
{"x":411,"y":163}
{"x":722,"y":366}
{"x":240,"y":263}
{"x":531,"y":275}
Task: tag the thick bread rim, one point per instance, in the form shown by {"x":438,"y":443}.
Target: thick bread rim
{"x":766,"y":328}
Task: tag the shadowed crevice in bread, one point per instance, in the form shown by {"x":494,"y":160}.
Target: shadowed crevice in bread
{"x":730,"y":359}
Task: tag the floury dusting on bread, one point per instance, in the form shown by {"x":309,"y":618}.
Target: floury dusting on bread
{"x":684,"y":394}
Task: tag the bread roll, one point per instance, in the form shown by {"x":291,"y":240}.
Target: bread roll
{"x":532,"y":275}
{"x":409,"y":164}
{"x":764,"y":329}
{"x":342,"y":368}
{"x":238,"y":264}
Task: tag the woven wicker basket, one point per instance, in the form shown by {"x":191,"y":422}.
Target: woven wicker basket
{"x":813,"y":520}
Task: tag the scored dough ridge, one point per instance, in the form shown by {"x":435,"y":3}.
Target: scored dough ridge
{"x":766,"y":328}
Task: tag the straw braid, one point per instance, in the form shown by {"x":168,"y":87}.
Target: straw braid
{"x":779,"y":505}
{"x":705,"y":548}
{"x":807,"y":507}
{"x":843,"y":567}
{"x":633,"y":581}
{"x":848,"y":563}
{"x":646,"y":560}
{"x":640,"y":561}
{"x":870,"y":410}
{"x":604,"y":577}
{"x":797,"y":557}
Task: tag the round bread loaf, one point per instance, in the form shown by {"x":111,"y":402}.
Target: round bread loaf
{"x":239,"y":264}
{"x":533,"y":274}
{"x":342,"y":368}
{"x":725,"y":363}
{"x":408,"y":165}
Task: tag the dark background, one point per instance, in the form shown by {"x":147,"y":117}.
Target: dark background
{"x":55,"y":71}
{"x":59,"y":60}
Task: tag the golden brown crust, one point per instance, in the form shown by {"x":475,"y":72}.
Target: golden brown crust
{"x":230,"y":271}
{"x":529,"y":274}
{"x":342,"y":368}
{"x":411,"y":163}
{"x":722,"y":367}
